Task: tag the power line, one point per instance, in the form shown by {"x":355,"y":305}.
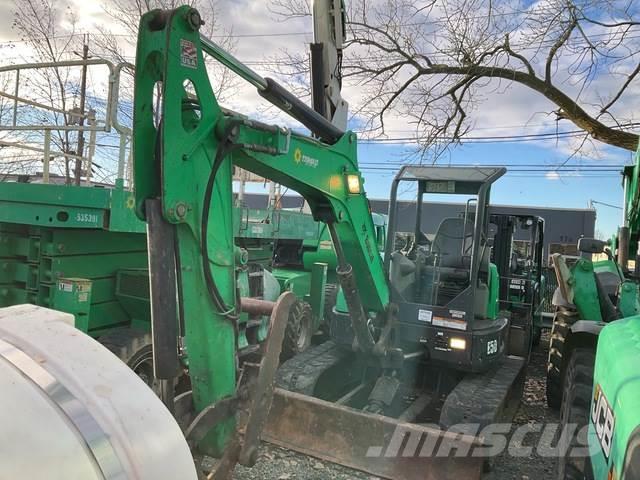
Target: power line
{"x":510,"y":168}
{"x":479,"y":140}
{"x":519,"y":174}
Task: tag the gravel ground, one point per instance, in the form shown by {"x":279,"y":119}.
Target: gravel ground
{"x":279,"y":464}
{"x":533,"y":410}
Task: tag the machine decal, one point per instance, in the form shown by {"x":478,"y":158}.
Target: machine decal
{"x":449,"y":323}
{"x":188,"y":54}
{"x":425,"y":315}
{"x":492,"y":347}
{"x":65,"y":287}
{"x":325,"y":245}
{"x":603,"y":420}
{"x":300,"y":157}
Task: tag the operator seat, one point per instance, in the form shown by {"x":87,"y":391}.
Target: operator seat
{"x":452,"y":243}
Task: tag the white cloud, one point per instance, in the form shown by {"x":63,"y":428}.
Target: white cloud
{"x":553,"y":175}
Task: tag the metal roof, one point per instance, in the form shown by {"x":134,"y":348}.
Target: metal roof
{"x":456,"y":174}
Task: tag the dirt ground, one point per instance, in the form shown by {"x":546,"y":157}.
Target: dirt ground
{"x":279,"y":464}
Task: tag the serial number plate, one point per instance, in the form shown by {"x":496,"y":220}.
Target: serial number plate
{"x":86,"y":218}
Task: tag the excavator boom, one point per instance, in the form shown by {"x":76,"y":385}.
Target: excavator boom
{"x":185,"y":148}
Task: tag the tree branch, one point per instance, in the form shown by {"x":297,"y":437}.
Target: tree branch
{"x":569,"y":109}
{"x":556,"y":46}
{"x":522,"y":58}
{"x":630,"y":78}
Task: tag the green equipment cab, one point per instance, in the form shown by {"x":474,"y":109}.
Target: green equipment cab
{"x":591,"y":375}
{"x":445,"y":293}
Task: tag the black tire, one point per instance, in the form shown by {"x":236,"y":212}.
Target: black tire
{"x":563,"y":319}
{"x":576,"y":407}
{"x":297,"y":336}
{"x":133,"y":347}
{"x":330,"y":299}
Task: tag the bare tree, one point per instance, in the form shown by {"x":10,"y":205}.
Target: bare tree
{"x":40,"y":23}
{"x":117,"y":41}
{"x":433,"y":62}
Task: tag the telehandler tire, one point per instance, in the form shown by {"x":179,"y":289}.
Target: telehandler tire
{"x":576,"y":408}
{"x":556,"y":365}
{"x":299,"y":331}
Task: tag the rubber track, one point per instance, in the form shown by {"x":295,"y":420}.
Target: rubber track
{"x":480,"y":398}
{"x":301,"y":373}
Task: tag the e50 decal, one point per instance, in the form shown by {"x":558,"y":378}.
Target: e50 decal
{"x":603,"y":420}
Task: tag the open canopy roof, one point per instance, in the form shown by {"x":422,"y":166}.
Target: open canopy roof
{"x":450,"y":180}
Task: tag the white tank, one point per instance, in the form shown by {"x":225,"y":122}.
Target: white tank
{"x":71,"y":410}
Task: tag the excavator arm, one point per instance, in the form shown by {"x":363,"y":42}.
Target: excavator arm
{"x":185,"y":148}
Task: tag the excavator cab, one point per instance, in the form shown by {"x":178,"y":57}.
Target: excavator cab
{"x":444,"y":285}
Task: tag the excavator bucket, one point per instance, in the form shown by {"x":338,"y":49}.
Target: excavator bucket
{"x":374,"y":444}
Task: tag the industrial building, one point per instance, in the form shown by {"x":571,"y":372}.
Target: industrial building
{"x":563,"y":226}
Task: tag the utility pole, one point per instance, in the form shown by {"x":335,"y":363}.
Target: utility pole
{"x":83,"y":93}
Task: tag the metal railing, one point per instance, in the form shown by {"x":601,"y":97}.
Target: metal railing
{"x":94,"y":126}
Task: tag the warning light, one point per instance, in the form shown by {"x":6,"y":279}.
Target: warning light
{"x":353,"y":184}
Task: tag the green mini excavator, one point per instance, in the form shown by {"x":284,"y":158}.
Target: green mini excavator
{"x":419,"y":338}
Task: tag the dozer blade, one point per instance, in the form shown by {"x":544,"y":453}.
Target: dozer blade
{"x":374,"y":444}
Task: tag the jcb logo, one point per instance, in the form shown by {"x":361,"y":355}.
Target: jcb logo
{"x":603,"y":420}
